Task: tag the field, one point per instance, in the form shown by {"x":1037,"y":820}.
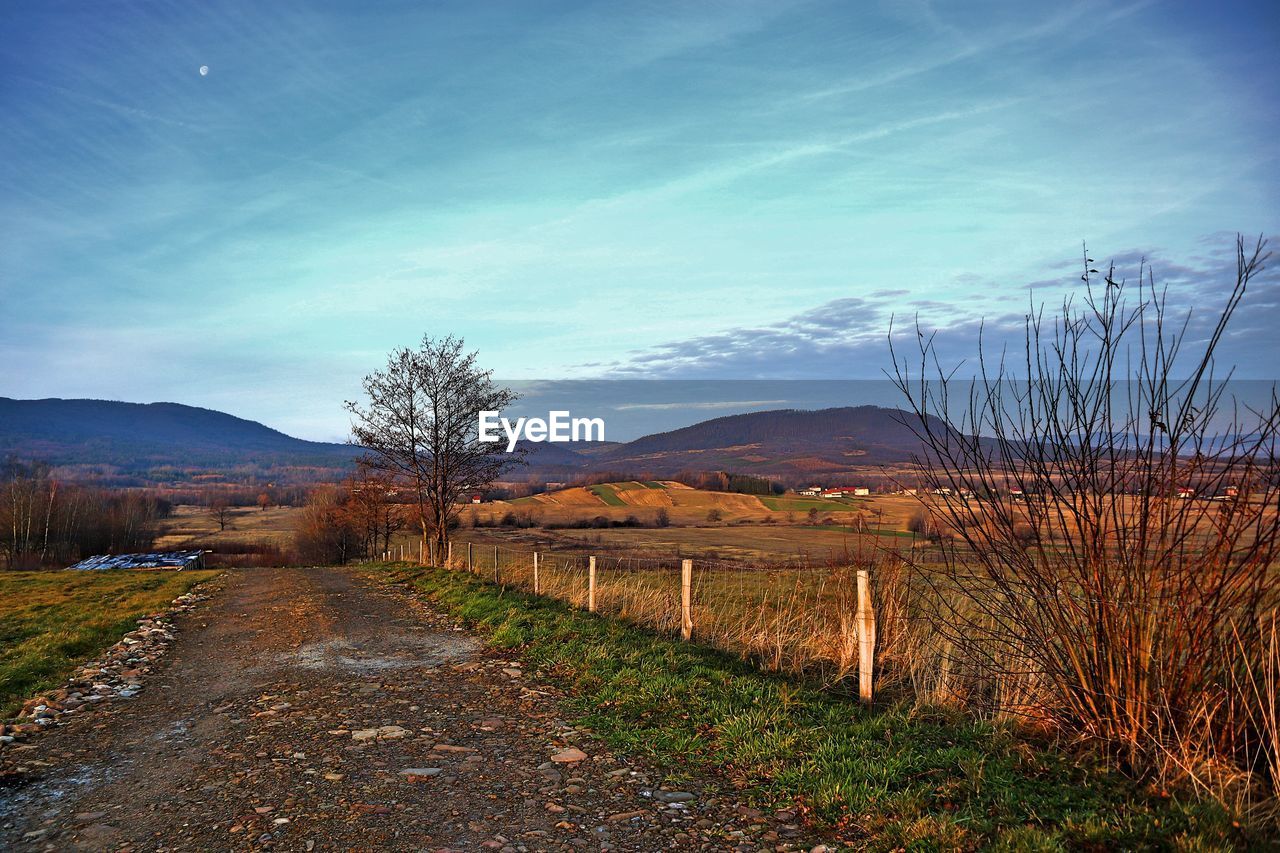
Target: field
{"x":273,"y":526}
{"x":52,"y":621}
{"x":608,"y":494}
{"x":748,"y":543}
{"x":806,"y":504}
{"x":750,"y":527}
{"x":702,"y":524}
{"x":684,"y":505}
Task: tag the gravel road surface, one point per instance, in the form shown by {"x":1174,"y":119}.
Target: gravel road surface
{"x":307,"y":709}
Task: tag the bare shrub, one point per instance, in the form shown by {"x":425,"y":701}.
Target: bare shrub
{"x":325,"y":533}
{"x":1099,"y":593}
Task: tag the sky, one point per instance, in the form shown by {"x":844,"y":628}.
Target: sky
{"x":710,"y":190}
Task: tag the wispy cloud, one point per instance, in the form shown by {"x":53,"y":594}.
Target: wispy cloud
{"x":656,"y":189}
{"x":849,"y":337}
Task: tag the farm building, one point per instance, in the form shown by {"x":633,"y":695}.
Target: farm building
{"x":178,"y":560}
{"x":845,"y":491}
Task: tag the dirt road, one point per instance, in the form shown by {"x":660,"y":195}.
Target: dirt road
{"x":304,"y":709}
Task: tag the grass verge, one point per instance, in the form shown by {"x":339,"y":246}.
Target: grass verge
{"x":50,"y":622}
{"x":889,"y":778}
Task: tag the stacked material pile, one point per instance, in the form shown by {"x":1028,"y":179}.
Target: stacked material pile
{"x":158,"y":560}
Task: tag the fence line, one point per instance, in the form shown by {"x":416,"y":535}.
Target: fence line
{"x":790,"y":617}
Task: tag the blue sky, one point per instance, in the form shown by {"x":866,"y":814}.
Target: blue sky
{"x":675,"y":190}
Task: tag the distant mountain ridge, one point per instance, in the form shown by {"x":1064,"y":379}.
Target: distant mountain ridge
{"x":869,"y":425}
{"x":140,"y":437}
{"x":134,"y":435}
{"x":777,"y":442}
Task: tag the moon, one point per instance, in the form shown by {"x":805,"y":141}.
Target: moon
{"x":204,"y":70}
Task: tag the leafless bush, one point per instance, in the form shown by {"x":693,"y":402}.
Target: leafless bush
{"x":1086,"y":584}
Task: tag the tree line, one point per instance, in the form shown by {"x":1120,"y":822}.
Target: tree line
{"x":352,"y":521}
{"x":46,"y":522}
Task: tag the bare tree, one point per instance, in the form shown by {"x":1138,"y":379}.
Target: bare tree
{"x":220,"y":512}
{"x":1109,"y":523}
{"x":373,"y":510}
{"x":420,"y":427}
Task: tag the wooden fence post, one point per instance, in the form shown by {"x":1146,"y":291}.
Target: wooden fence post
{"x":866,"y":618}
{"x":448,"y":560}
{"x":496,"y":577}
{"x":686,"y":600}
{"x":591,"y":585}
{"x":469,"y":563}
{"x":420,"y":554}
{"x":536,"y":589}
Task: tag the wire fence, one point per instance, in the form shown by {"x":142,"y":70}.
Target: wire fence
{"x":791,"y":616}
{"x":795,"y":615}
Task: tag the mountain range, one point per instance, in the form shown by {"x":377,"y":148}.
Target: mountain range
{"x":170,"y":442}
{"x":158,"y":442}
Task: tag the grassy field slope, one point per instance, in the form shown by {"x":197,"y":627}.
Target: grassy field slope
{"x":52,"y":621}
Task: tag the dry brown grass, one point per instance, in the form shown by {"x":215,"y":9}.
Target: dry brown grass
{"x":274,"y":526}
{"x":795,"y":618}
{"x":688,"y":506}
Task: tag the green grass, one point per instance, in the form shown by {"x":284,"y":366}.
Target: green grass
{"x":607,"y":494}
{"x":50,"y":622}
{"x":652,"y":484}
{"x":893,"y":778}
